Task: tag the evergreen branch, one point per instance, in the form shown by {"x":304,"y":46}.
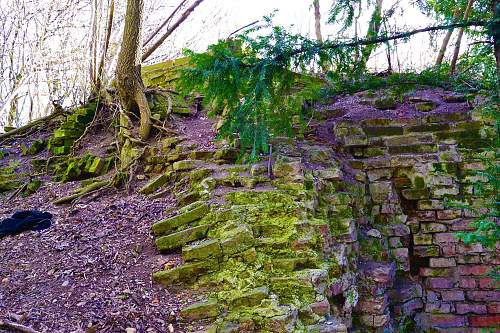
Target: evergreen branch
{"x":329,"y":45}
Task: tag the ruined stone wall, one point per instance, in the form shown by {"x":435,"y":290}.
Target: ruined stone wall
{"x":412,"y":266}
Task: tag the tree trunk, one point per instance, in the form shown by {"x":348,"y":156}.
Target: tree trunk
{"x":456,"y":51}
{"x":495,"y":31}
{"x":317,"y":21}
{"x":129,"y":83}
{"x":446,"y":40}
{"x":373,"y":30}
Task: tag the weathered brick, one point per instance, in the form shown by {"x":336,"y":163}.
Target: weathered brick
{"x":484,"y":321}
{"x":409,"y":307}
{"x":467,"y":282}
{"x":473,"y":269}
{"x":430,"y":205}
{"x":422,"y":239}
{"x":434,"y":272}
{"x":463,"y":308}
{"x":439,"y":283}
{"x":452,"y":295}
{"x":445,"y":237}
{"x":449,"y":214}
{"x":488,"y":283}
{"x":461,"y":225}
{"x":426,"y":251}
{"x":468,"y":259}
{"x":442,"y":262}
{"x":448,"y":250}
{"x":483,"y":295}
{"x":446,"y":320}
{"x":437,"y":307}
{"x":426,"y":215}
{"x":493,"y":308}
{"x":433,"y":227}
{"x":473,"y":248}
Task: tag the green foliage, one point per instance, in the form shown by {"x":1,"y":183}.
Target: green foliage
{"x":253,"y":85}
{"x":486,"y":228}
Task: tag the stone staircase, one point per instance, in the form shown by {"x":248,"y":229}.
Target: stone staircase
{"x":269,"y":254}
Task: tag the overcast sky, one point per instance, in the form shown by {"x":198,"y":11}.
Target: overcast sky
{"x":298,"y":15}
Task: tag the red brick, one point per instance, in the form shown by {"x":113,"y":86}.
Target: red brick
{"x":445,"y":237}
{"x":434,"y":272}
{"x":467,"y":249}
{"x":467,"y":282}
{"x":473,"y":269}
{"x":448,"y":250}
{"x":437,"y":307}
{"x":452,"y":295}
{"x":449,"y":214}
{"x":462,"y":225}
{"x":488,"y":283}
{"x":483,"y":295}
{"x":446,"y":320}
{"x":439,"y":283}
{"x":442,"y":262}
{"x":426,"y":215}
{"x":463,"y":308}
{"x":494,"y":308}
{"x":484,"y":321}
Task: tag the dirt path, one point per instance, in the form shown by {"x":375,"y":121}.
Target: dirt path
{"x":91,"y":270}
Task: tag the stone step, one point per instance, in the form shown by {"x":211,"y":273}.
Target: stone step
{"x":185,"y":273}
{"x":178,"y":239}
{"x":172,"y":223}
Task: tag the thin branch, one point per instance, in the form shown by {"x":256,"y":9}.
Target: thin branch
{"x":329,"y":45}
{"x":183,"y":17}
{"x":164,"y":23}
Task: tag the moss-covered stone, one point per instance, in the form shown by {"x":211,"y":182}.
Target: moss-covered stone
{"x":426,"y":106}
{"x":186,"y":165}
{"x":237,"y":240}
{"x":156,"y":183}
{"x":251,"y":298}
{"x":201,"y":310}
{"x":178,"y":239}
{"x":172,"y":223}
{"x":185,"y":273}
{"x":415,"y":194}
{"x":199,"y":251}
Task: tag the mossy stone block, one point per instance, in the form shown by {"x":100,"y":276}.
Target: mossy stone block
{"x":426,"y":106}
{"x":201,"y":310}
{"x":237,"y":240}
{"x":251,"y":298}
{"x":185,"y":273}
{"x":186,"y":165}
{"x":383,"y":131}
{"x":156,"y":183}
{"x":205,"y":249}
{"x":169,"y":224}
{"x":178,"y":239}
{"x":415,"y":193}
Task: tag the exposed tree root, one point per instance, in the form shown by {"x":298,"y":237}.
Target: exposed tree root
{"x":83,"y":192}
{"x":32,"y":124}
{"x":9,"y":325}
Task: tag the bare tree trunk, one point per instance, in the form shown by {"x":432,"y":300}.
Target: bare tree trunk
{"x":317,"y":21}
{"x":456,"y":51}
{"x":129,"y":83}
{"x":373,"y":30}
{"x":183,"y":17}
{"x":106,"y":45}
{"x":446,"y":40}
{"x":496,"y":39}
